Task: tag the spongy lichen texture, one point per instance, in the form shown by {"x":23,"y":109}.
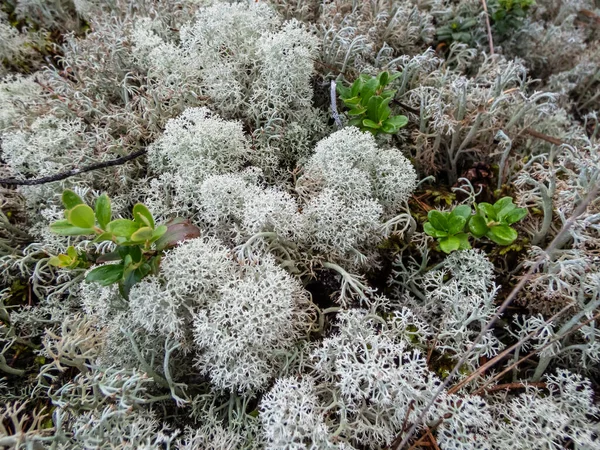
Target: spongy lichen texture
{"x":312,"y":311}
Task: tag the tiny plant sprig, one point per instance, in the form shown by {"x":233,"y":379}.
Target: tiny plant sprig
{"x":140,"y":241}
{"x":368,"y":100}
{"x":509,"y":15}
{"x":494,"y":221}
{"x":448,"y":228}
{"x":458,"y":30}
{"x":491,"y":221}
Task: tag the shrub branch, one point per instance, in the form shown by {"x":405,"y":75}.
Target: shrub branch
{"x":73,"y":172}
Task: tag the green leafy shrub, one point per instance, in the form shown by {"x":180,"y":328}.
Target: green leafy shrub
{"x":508,"y":15}
{"x":448,"y":228}
{"x":140,"y":241}
{"x":368,"y":102}
{"x":71,"y":260}
{"x":458,"y":30}
{"x":492,"y":221}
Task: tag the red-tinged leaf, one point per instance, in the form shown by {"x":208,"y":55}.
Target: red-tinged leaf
{"x":178,"y":230}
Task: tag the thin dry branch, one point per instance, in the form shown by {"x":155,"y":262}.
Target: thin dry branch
{"x":73,"y":172}
{"x":533,"y":353}
{"x":500,"y":356}
{"x":432,"y":439}
{"x":517,"y":385}
{"x":544,"y":137}
{"x":488,"y":26}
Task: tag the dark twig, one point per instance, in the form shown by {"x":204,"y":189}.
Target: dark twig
{"x":432,"y":438}
{"x":408,"y":411}
{"x":73,"y":172}
{"x":422,"y":439}
{"x":533,"y":353}
{"x":543,"y":137}
{"x":406,"y":107}
{"x":499,"y":357}
{"x":517,"y":385}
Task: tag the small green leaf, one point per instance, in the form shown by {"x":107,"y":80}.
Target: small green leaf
{"x":107,"y":257}
{"x":65,"y":260}
{"x":370,"y":124}
{"x":464,"y":241}
{"x":136,"y":254}
{"x":505,"y":211}
{"x":383,"y":78}
{"x":142,"y":235}
{"x":503,"y":202}
{"x":431,"y":231}
{"x":357,"y":86}
{"x":55,"y":261}
{"x":488,"y":210}
{"x":449,"y":244}
{"x":142,"y":215}
{"x":388,"y":128}
{"x":352,"y":102}
{"x":515,"y":215}
{"x":462,"y":211}
{"x":72,"y":252}
{"x":444,"y":34}
{"x":461,"y":36}
{"x":82,"y":216}
{"x":106,"y":275}
{"x":468,"y":23}
{"x":103,"y":211}
{"x":64,"y":228}
{"x":359,"y":110}
{"x":438,"y":219}
{"x":158,"y":233}
{"x":155,"y":264}
{"x":397,"y":121}
{"x":104,"y":237}
{"x":373,"y":108}
{"x":144,"y":269}
{"x":122,"y":227}
{"x":368,"y":89}
{"x":394,"y":76}
{"x":502,"y":234}
{"x":123,"y":251}
{"x":384,"y":110}
{"x":342,"y":90}
{"x":456,"y":224}
{"x":70,"y":199}
{"x":128,"y":282}
{"x":478,"y":226}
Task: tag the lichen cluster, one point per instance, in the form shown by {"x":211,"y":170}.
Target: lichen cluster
{"x":313,"y":311}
